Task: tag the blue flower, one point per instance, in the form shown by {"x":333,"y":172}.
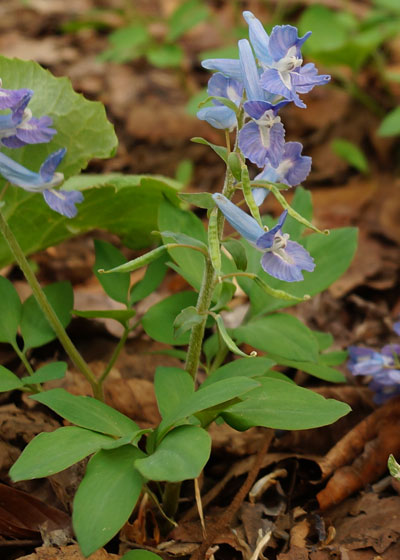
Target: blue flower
{"x":9,"y":98}
{"x":263,"y":139}
{"x":292,"y":169}
{"x":44,"y":181}
{"x":382,"y":366}
{"x":282,"y":259}
{"x":19,"y":127}
{"x":221,"y":116}
{"x":285,"y":75}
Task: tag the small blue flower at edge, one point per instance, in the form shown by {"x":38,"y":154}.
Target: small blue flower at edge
{"x":220,"y":116}
{"x":20,"y":127}
{"x":44,"y":181}
{"x":282,"y":259}
{"x":11,"y":97}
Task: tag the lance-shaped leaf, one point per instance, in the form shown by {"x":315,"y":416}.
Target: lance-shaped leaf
{"x":172,"y":387}
{"x":219,"y":150}
{"x":49,"y":453}
{"x":238,"y":252}
{"x":54,"y":370}
{"x":8,"y":380}
{"x":186,"y":320}
{"x":109,"y":257}
{"x":228,"y":340}
{"x":106,"y":496}
{"x":88,"y":412}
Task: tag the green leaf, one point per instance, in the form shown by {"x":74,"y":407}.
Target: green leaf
{"x":332,"y":255}
{"x":176,"y":220}
{"x":88,"y":412}
{"x":390,"y":126}
{"x":184,"y":239}
{"x":333,"y":358}
{"x":240,"y":368}
{"x":394,"y":467}
{"x":201,"y":200}
{"x":184,"y":171}
{"x":325,"y":340}
{"x":120,"y":315}
{"x":49,"y":453}
{"x":82,"y":126}
{"x":280,"y":334}
{"x":351,"y":153}
{"x":186,"y":320}
{"x":137,"y":263}
{"x":220,"y":392}
{"x":153,"y":277}
{"x":238,"y":253}
{"x":172,"y":386}
{"x":127,"y":43}
{"x":181,"y":455}
{"x":320,"y":370}
{"x":9,"y":381}
{"x":106,"y":497}
{"x":285,"y":406}
{"x":108,"y":257}
{"x":10,"y":311}
{"x":35,"y":328}
{"x":106,"y":199}
{"x":55,"y":370}
{"x":328,"y":32}
{"x":186,"y":16}
{"x":302,"y":203}
{"x":223,"y":294}
{"x":140,"y":555}
{"x":221,"y":151}
{"x":165,"y":56}
{"x":228,"y":340}
{"x":158,"y":321}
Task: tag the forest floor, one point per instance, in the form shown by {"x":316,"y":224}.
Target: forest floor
{"x":355,"y":516}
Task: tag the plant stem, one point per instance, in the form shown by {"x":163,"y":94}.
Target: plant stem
{"x":115,"y":354}
{"x":47,"y":309}
{"x":23,"y":359}
{"x":197,"y":333}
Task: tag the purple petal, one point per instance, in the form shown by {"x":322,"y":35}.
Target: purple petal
{"x":219,"y":117}
{"x":249,"y":71}
{"x":228,"y":66}
{"x":19,"y":109}
{"x":63,"y":202}
{"x":256,"y":109}
{"x":12,"y":142}
{"x":247,"y":226}
{"x":396,"y":327}
{"x":269,"y":173}
{"x":261,"y":142}
{"x":282,"y":38}
{"x":307,"y":77}
{"x":50,"y":164}
{"x":293,"y":168}
{"x":301,"y":256}
{"x":258,"y":38}
{"x":391,"y":350}
{"x":9,"y":98}
{"x":281,"y":269}
{"x":19,"y":175}
{"x":223,"y":86}
{"x":267,"y":239}
{"x":36,"y":131}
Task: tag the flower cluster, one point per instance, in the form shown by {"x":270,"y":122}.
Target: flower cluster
{"x":18,"y":128}
{"x":383,"y":367}
{"x":268,"y":75}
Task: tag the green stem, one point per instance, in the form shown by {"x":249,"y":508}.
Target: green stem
{"x":115,"y":354}
{"x":170,"y":502}
{"x":197,"y":333}
{"x":47,"y":309}
{"x":23,"y":359}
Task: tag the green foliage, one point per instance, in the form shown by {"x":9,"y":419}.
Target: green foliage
{"x":140,"y":555}
{"x":279,"y":334}
{"x":172,"y":386}
{"x":350,"y":153}
{"x":39,"y":458}
{"x":34,"y":326}
{"x":390,"y":126}
{"x":285,"y":406}
{"x":88,"y":413}
{"x":108,"y":256}
{"x":106,"y":496}
{"x":181,"y":455}
{"x":106,"y":199}
{"x":158,"y":321}
{"x":186,"y":320}
{"x":49,"y":372}
{"x":10,"y":311}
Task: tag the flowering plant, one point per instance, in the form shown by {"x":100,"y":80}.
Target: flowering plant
{"x":247,"y":95}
